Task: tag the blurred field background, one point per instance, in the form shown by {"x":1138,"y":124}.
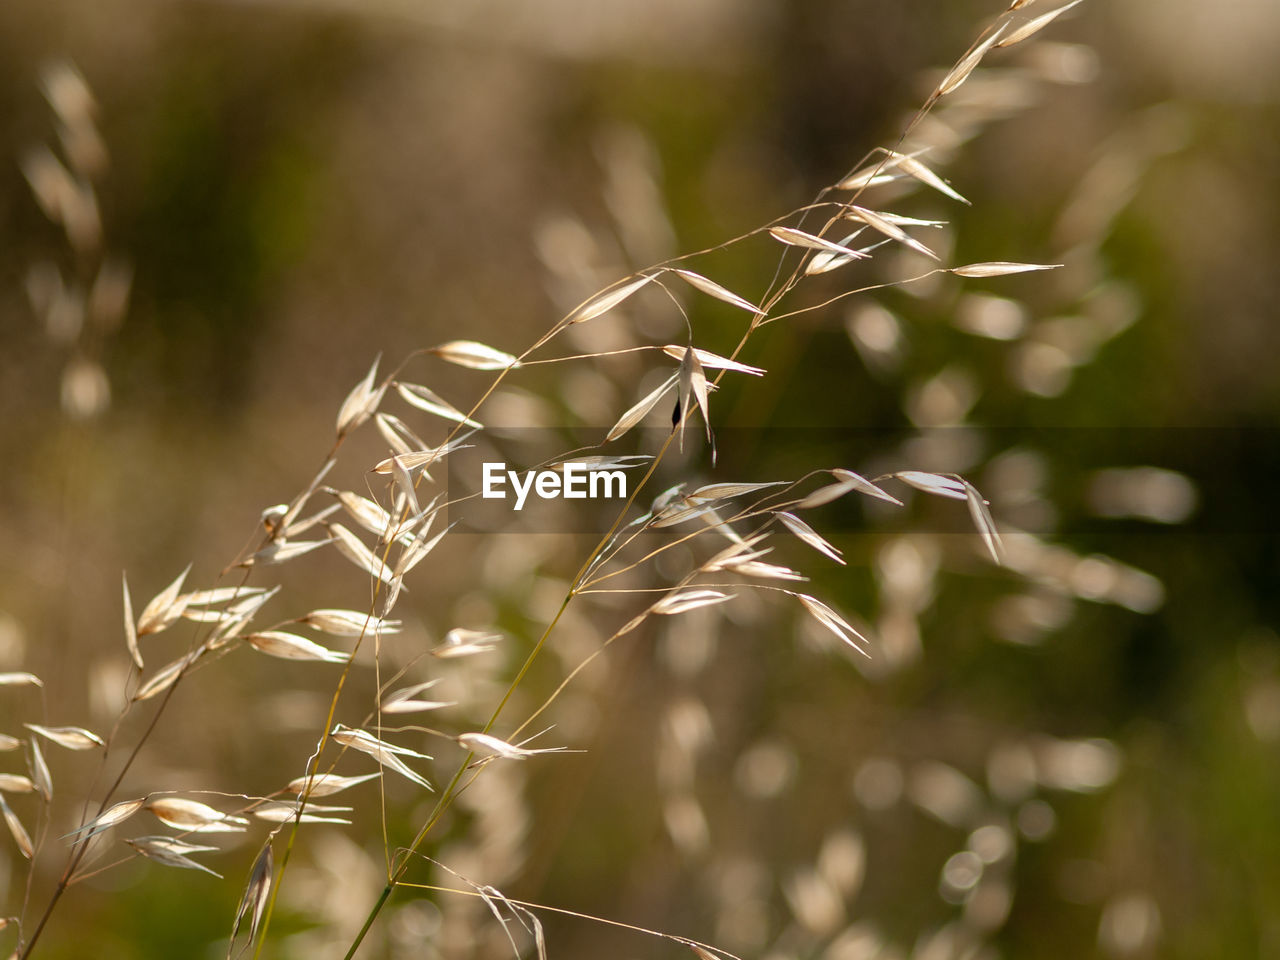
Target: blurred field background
{"x":1082,"y":762}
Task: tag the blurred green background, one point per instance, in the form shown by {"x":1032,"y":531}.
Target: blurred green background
{"x":1074,"y":757}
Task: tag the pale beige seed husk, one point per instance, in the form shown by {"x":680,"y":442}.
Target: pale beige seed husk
{"x":18,"y":679}
{"x":983,"y":520}
{"x":364,"y":511}
{"x":275,"y":811}
{"x":863,"y":485}
{"x":1033,"y":26}
{"x":606,"y":300}
{"x":360,"y":403}
{"x":799,"y":238}
{"x":290,"y":646}
{"x":162,"y":851}
{"x":686,"y":600}
{"x":487,"y":745}
{"x":348,"y":623}
{"x":39,"y":770}
{"x":396,"y":432}
{"x":930,"y":179}
{"x":164,"y":609}
{"x":429,"y":401}
{"x":810,"y":536}
{"x":474,"y":355}
{"x":8,"y":743}
{"x":936,"y":484}
{"x":183,"y":814}
{"x":116,"y":813}
{"x":257,"y":893}
{"x":961,"y":71}
{"x":382,"y":752}
{"x":327,"y":784}
{"x":724,"y":491}
{"x":711,"y":360}
{"x":713,"y":289}
{"x":206,"y":598}
{"x":166,"y":676}
{"x":641,"y":409}
{"x":834,"y":622}
{"x":997,"y":268}
{"x":15,"y":783}
{"x":19,"y":832}
{"x":891,"y":230}
{"x":354,"y":549}
{"x":405,"y":700}
{"x":764,"y":571}
{"x":130,"y":628}
{"x":693,"y":385}
{"x":73,"y":738}
{"x":284,"y":551}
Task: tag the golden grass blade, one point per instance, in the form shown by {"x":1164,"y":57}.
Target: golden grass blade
{"x":130,"y":628}
{"x":19,"y":832}
{"x":641,"y":409}
{"x":810,"y":536}
{"x":713,"y":289}
{"x":474,"y":355}
{"x":606,"y":300}
{"x":1033,"y":26}
{"x":73,"y":738}
{"x":1000,"y":268}
{"x":290,"y":646}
